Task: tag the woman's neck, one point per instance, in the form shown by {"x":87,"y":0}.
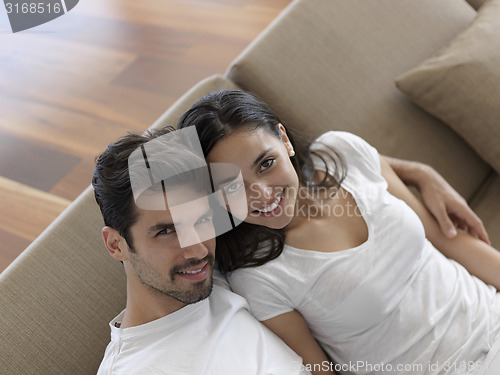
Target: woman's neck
{"x":304,"y":204}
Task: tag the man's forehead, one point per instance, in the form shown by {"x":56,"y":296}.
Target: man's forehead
{"x":161,"y":196}
{"x":182,"y":203}
{"x":181,"y":194}
{"x":171,"y":159}
{"x":148,"y":218}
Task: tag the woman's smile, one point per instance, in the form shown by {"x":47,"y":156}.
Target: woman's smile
{"x":275,"y":208}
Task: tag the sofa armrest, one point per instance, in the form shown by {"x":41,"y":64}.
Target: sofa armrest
{"x":58,"y":296}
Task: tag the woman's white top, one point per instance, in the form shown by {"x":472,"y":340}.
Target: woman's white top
{"x":392,"y":305}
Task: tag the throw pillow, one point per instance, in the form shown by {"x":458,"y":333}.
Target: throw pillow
{"x":461,"y":85}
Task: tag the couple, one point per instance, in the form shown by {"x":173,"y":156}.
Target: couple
{"x":361,"y":277}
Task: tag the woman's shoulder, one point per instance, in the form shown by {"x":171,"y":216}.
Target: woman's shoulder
{"x":353,"y":149}
{"x":266,"y":288}
{"x":340,"y":140}
{"x":271,"y":276}
{"x":261,"y":274}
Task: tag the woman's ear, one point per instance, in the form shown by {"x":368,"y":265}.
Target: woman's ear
{"x":284,"y":136}
{"x":115,"y":243}
{"x":286,"y":140}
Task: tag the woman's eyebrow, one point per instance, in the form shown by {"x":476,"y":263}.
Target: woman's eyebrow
{"x":260,"y":157}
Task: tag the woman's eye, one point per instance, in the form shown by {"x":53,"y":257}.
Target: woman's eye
{"x":206,"y":219}
{"x":232,"y":188}
{"x":266,"y":164}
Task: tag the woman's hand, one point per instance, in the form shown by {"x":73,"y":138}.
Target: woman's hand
{"x":448,"y":207}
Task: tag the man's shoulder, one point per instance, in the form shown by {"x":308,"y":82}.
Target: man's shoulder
{"x":135,"y":370}
{"x":223,"y":300}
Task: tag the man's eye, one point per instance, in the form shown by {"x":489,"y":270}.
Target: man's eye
{"x":266,"y":164}
{"x":232,"y":188}
{"x":165,"y":231}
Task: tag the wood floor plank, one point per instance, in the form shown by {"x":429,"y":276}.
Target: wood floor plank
{"x":65,"y":56}
{"x":26,"y":211}
{"x":162,"y":76}
{"x":78,"y":95}
{"x":63,"y":129}
{"x":33,"y":165}
{"x":74,"y":182}
{"x":10,"y":247}
{"x":118,"y":34}
{"x":237,"y":18}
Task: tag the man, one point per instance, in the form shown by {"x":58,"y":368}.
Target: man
{"x":179,"y":319}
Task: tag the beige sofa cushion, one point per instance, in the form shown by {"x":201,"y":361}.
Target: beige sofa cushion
{"x":331,"y":65}
{"x":487,"y":206}
{"x":476,"y":4}
{"x":461,"y":85}
{"x":59,"y":295}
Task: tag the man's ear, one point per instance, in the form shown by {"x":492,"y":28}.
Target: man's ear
{"x":115,"y":243}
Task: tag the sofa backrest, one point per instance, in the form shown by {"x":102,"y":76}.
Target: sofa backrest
{"x":331,"y":64}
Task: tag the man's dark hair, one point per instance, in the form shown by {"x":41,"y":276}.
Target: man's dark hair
{"x":111,"y":181}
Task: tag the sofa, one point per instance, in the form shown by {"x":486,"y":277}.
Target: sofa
{"x":353,"y":65}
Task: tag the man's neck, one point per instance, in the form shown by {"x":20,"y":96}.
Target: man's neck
{"x":145,"y":305}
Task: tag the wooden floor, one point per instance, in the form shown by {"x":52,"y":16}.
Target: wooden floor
{"x":71,"y":86}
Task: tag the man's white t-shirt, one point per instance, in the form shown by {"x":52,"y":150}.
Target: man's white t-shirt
{"x":215,"y":336}
{"x":392,"y":305}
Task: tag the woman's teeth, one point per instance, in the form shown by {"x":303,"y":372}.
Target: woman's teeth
{"x":273,"y":206}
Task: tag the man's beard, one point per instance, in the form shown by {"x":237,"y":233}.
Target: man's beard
{"x":199,"y":292}
{"x":150,"y":277}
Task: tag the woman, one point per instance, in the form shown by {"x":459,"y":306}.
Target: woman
{"x":334,"y":251}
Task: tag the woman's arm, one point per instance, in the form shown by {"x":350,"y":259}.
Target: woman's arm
{"x":448,"y":207}
{"x":476,"y":256}
{"x":293,"y":330}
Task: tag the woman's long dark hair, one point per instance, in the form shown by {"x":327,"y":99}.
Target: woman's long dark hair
{"x":221,"y":113}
